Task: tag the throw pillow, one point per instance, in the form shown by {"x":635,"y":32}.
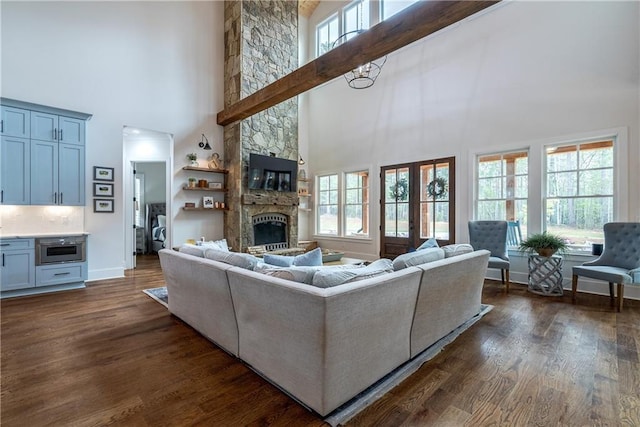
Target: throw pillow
{"x":279,"y":260}
{"x":216,"y":244}
{"x":236,"y":259}
{"x":457,"y":249}
{"x":162,"y":220}
{"x":418,"y":257}
{"x":295,"y":274}
{"x":430,"y":243}
{"x":311,"y":258}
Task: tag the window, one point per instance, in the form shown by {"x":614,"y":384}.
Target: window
{"x":579,"y":191}
{"x":326,"y":34}
{"x":343,"y":204}
{"x":356,"y":204}
{"x":391,"y":7}
{"x":327,"y":211}
{"x":356,"y":16}
{"x":503,"y":187}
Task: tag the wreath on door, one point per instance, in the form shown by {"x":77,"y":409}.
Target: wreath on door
{"x":400,"y":190}
{"x":437,"y":188}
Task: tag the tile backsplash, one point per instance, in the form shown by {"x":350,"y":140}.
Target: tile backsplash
{"x":16,"y":220}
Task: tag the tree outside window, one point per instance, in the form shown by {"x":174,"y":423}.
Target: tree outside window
{"x":579,"y":191}
{"x":356,"y":204}
{"x":327,"y":207}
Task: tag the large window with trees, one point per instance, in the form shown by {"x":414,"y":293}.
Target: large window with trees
{"x":579,"y":191}
{"x":326,"y":33}
{"x":502,"y":187}
{"x":343,"y":204}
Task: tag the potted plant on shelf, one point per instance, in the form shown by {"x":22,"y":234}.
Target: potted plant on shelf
{"x":545,"y":244}
{"x":193,"y":159}
{"x":192,"y":182}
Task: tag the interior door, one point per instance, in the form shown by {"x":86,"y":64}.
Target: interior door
{"x":417,"y":204}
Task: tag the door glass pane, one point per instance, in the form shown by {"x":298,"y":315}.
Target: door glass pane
{"x":442,"y":220}
{"x":426,"y":221}
{"x":390,"y":220}
{"x":403,"y":220}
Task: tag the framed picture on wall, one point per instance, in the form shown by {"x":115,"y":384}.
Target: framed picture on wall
{"x":101,"y":173}
{"x":103,"y":205}
{"x":101,"y":189}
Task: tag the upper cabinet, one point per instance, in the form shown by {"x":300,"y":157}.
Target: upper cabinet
{"x":54,"y":128}
{"x":15,"y":122}
{"x":42,"y":156}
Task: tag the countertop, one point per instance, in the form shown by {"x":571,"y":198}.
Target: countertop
{"x":36,"y":235}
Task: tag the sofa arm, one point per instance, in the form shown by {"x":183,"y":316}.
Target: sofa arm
{"x":324,"y":346}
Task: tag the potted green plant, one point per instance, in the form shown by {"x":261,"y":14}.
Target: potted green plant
{"x":545,"y":244}
{"x":192,"y":182}
{"x":193,"y":158}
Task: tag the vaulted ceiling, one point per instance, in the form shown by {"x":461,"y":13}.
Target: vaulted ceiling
{"x":306,"y":7}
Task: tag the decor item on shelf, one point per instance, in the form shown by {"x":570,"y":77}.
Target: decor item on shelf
{"x":545,"y":244}
{"x":302,"y":174}
{"x":202,"y":143}
{"x":193,"y":159}
{"x":189,"y":205}
{"x":203,"y":183}
{"x":364,"y":75}
{"x":215,"y":162}
{"x":215,"y":185}
{"x":207,"y":202}
{"x":437,"y":188}
{"x":400,"y":190}
{"x":192,"y":182}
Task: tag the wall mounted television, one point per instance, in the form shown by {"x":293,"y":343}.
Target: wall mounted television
{"x":272,"y":173}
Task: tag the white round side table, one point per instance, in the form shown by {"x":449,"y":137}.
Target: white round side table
{"x":545,"y":275}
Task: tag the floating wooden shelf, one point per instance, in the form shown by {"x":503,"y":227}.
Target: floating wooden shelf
{"x":219,"y":190}
{"x":305,"y":195}
{"x":203,"y":209}
{"x":303,"y":179}
{"x":198,"y":169}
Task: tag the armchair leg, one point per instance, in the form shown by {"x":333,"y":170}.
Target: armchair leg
{"x":574,"y":288}
{"x":507,"y":275}
{"x":620,"y":296}
{"x":502,"y":275}
{"x":611,"y":296}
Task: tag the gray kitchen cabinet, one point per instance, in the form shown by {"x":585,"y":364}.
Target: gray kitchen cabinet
{"x":15,"y":122}
{"x":15,"y":175}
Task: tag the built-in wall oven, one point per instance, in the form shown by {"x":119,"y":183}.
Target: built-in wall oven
{"x":55,"y":250}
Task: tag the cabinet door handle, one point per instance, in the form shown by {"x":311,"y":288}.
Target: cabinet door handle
{"x":55,"y":134}
{"x":60,"y":134}
{"x":1,"y":125}
{"x":59,"y":274}
{"x":1,"y":196}
{"x":55,"y":198}
{"x":5,"y":244}
{"x":61,"y":202}
{"x":3,"y":260}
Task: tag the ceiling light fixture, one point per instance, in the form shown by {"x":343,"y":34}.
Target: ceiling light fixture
{"x":202,"y":144}
{"x":364,"y":75}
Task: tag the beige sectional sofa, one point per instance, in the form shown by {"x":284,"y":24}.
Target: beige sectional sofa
{"x":323,"y":346}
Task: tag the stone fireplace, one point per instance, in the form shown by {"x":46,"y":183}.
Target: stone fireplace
{"x":271,"y":230}
{"x":261,"y":46}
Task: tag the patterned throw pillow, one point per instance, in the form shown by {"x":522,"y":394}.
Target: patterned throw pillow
{"x":418,"y":257}
{"x":327,"y":278}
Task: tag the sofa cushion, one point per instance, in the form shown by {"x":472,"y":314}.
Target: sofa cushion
{"x":237,"y":259}
{"x":295,"y":274}
{"x":311,"y":258}
{"x":326,"y":278}
{"x":457,"y":249}
{"x":418,"y":257}
{"x":194,"y":250}
{"x":216,"y":244}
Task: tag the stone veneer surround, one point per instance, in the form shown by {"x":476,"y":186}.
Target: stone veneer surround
{"x":261,"y":46}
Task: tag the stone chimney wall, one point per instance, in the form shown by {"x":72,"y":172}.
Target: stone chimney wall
{"x":261,"y":46}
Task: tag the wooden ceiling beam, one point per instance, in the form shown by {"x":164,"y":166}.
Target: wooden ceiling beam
{"x":415,"y":22}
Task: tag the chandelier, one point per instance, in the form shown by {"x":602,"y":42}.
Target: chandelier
{"x":364,"y":75}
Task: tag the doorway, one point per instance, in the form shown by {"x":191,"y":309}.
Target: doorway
{"x":417,"y":203}
{"x":148,"y":159}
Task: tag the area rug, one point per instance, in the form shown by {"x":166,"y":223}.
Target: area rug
{"x":159,"y":294}
{"x":350,"y":409}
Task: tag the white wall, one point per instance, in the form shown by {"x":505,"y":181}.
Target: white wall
{"x":520,"y":75}
{"x":154,"y":65}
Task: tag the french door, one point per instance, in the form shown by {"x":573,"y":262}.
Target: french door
{"x":417,"y":203}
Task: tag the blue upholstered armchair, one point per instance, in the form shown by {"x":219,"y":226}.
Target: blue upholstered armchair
{"x":619,"y":263}
{"x":492,"y":236}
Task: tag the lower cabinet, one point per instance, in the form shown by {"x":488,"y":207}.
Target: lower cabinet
{"x":18,"y":264}
{"x":59,"y":274}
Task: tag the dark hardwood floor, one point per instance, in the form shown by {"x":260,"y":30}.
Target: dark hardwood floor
{"x":109,"y":354}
